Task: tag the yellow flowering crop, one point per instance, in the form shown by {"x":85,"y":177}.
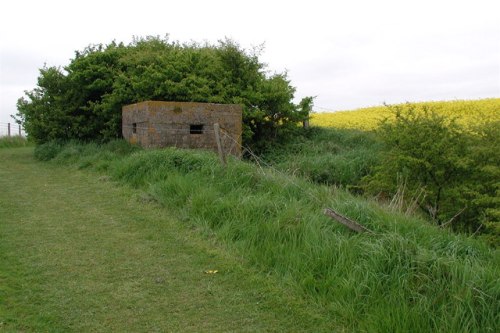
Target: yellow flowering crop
{"x":469,"y":113}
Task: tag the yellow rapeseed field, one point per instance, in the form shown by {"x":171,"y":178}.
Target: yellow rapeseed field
{"x":469,"y":113}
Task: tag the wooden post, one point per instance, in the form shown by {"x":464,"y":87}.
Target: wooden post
{"x":222,"y":156}
{"x":19,"y":129}
{"x":8,"y":129}
{"x":345,"y":221}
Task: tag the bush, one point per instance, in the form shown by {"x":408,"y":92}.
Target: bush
{"x":48,"y":150}
{"x":451,"y":174}
{"x":83,"y":101}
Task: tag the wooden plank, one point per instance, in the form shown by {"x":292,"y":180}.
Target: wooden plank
{"x":355,"y":226}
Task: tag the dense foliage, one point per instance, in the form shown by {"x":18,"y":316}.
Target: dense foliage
{"x":83,"y":101}
{"x":438,"y":159}
{"x":431,"y":161}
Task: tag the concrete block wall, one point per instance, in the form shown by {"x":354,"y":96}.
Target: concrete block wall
{"x":182,"y":124}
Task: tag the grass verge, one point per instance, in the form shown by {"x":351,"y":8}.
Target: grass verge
{"x":407,"y":276}
{"x":13,"y":141}
{"x":80,"y":254}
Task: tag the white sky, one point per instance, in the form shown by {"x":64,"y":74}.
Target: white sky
{"x":349,"y":53}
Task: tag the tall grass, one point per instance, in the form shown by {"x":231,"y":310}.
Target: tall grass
{"x":340,"y":157}
{"x":13,"y":141}
{"x":407,"y":276}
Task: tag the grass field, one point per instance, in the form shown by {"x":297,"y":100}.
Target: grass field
{"x":80,"y":254}
{"x":407,"y":276}
{"x":469,"y":113}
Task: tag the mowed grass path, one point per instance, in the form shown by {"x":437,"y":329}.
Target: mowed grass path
{"x":79,"y":253}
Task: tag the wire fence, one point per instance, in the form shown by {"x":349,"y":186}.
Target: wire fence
{"x":267,"y":168}
{"x":11,"y":129}
{"x":313,"y":195}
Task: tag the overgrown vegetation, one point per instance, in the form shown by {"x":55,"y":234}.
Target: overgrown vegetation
{"x":13,"y":141}
{"x":420,"y":159}
{"x":83,"y":101}
{"x":433,"y":162}
{"x":340,"y":157}
{"x":407,"y":276}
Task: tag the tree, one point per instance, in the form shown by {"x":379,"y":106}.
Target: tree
{"x":84,"y":100}
{"x":42,"y":113}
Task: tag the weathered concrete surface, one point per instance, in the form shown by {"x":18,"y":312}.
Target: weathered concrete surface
{"x":183,"y":124}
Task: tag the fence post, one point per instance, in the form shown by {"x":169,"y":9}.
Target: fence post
{"x":219,"y":144}
{"x":8,"y":129}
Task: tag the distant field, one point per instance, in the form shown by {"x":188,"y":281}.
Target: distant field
{"x":469,"y":113}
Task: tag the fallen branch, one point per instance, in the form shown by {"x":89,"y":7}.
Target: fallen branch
{"x":354,"y":226}
{"x":453,"y":218}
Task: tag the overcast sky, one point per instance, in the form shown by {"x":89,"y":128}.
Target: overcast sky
{"x":349,"y":53}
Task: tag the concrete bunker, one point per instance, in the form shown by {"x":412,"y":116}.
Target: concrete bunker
{"x":154,"y":124}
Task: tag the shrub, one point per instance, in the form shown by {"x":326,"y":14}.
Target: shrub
{"x":48,"y":150}
{"x":83,"y":101}
{"x":451,"y":174}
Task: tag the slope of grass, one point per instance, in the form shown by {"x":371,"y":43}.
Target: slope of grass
{"x":470,"y":113}
{"x":328,"y":156}
{"x":80,"y":254}
{"x":13,"y":141}
{"x":465,"y":189}
{"x":407,"y":276}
